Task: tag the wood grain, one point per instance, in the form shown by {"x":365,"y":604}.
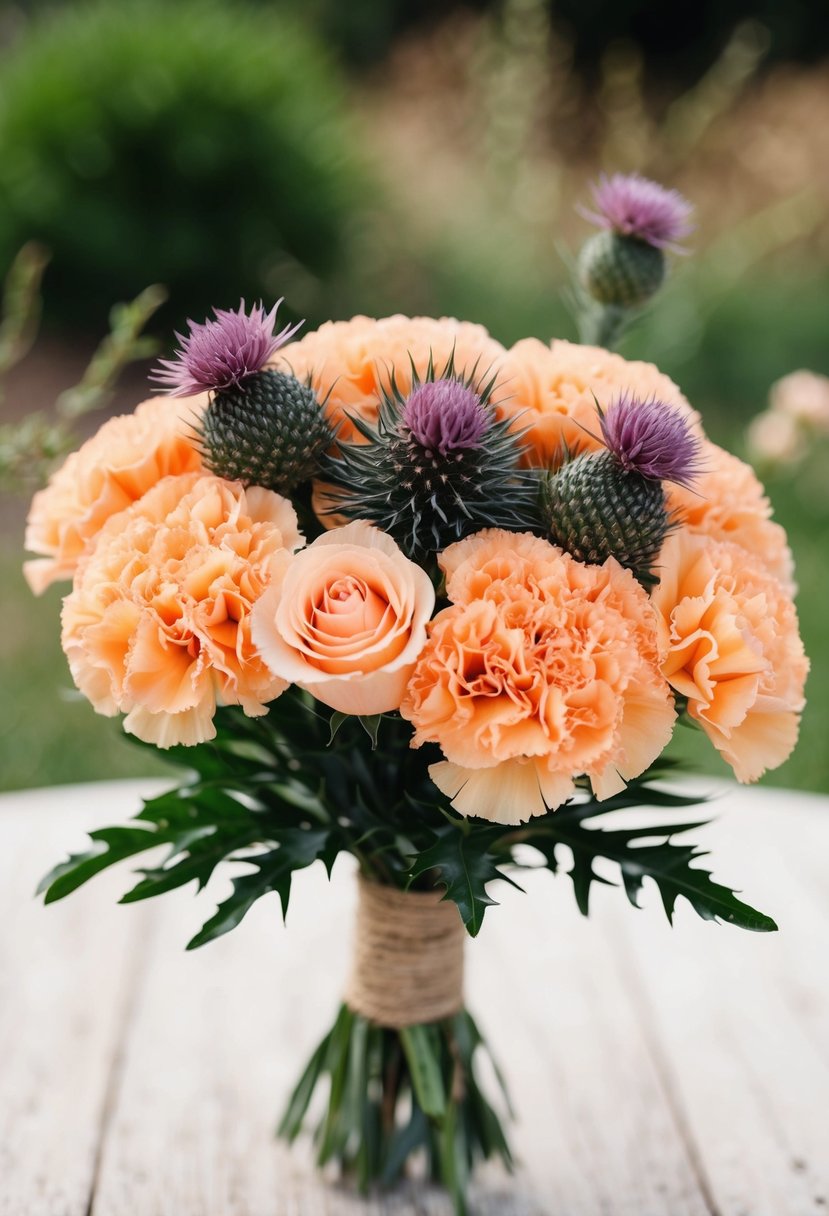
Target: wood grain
{"x":66,"y":981}
{"x":656,"y":1072}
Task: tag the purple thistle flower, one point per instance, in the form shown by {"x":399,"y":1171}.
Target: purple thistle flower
{"x":445,"y":416}
{"x":222,"y":352}
{"x":634,"y":206}
{"x":651,"y":438}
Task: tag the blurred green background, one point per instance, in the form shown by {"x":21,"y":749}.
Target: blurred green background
{"x":395,"y":155}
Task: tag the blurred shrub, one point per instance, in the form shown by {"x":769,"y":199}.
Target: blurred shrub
{"x":199,"y":144}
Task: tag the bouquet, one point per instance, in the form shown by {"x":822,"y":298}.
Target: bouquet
{"x":393,"y":590}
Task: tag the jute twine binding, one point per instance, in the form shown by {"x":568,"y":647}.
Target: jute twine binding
{"x":407,"y":964}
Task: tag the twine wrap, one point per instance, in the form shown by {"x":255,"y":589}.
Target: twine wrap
{"x":407,"y":963}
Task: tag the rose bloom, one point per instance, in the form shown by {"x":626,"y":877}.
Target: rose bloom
{"x":346,"y":620}
{"x":124,"y":459}
{"x":552,"y":391}
{"x":730,"y":643}
{"x":157,"y":625}
{"x":726,"y":502}
{"x":542,"y":669}
{"x":350,"y":361}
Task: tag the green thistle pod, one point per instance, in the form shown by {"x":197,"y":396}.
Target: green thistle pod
{"x":269,"y":430}
{"x":620,"y":271}
{"x":623,"y":266}
{"x":597,"y":509}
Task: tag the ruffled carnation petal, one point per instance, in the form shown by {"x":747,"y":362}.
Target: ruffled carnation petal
{"x":727,"y":502}
{"x":157,"y":625}
{"x":510,"y":793}
{"x":541,"y":670}
{"x":730,"y":643}
{"x":125,"y":458}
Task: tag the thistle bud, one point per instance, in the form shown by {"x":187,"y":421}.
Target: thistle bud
{"x":261,"y":427}
{"x":612,"y":503}
{"x":620,"y":271}
{"x":623,"y":266}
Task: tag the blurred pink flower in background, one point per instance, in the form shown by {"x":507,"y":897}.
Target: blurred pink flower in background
{"x":798,"y":412}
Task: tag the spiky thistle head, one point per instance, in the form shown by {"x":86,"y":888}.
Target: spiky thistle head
{"x":438,"y":465}
{"x":611,"y":503}
{"x":269,"y":431}
{"x":634,"y":206}
{"x":651,"y":438}
{"x":261,"y":427}
{"x":223,"y":352}
{"x":623,"y":266}
{"x":445,"y":416}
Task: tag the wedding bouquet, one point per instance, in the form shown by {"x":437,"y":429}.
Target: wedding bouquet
{"x":397,"y":591}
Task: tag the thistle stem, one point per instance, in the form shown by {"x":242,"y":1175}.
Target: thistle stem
{"x":603,"y":324}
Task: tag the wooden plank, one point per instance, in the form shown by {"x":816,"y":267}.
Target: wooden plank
{"x":66,"y":977}
{"x":595,"y":1130}
{"x":734,"y":1018}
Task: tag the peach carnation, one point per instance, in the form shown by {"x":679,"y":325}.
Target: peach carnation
{"x":543,"y":669}
{"x":551,"y":389}
{"x":350,"y":361}
{"x":730,"y":643}
{"x":157,"y":625}
{"x":124,"y":459}
{"x":346,"y":620}
{"x":727,"y":503}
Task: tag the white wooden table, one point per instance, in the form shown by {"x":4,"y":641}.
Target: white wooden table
{"x":656,"y":1072}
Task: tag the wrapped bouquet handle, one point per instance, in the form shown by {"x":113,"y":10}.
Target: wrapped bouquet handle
{"x":407,"y":961}
{"x":401,"y":1057}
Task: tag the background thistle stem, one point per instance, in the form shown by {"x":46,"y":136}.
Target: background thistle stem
{"x":603,"y":324}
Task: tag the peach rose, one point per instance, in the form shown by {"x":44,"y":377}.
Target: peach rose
{"x":157,"y":625}
{"x":346,"y":620}
{"x":124,"y":459}
{"x":726,"y":502}
{"x":730,"y":643}
{"x":551,"y":390}
{"x":543,"y":669}
{"x":349,"y":361}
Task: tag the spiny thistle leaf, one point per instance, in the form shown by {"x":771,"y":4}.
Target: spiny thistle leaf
{"x":464,"y":866}
{"x":668,"y":863}
{"x":298,"y":848}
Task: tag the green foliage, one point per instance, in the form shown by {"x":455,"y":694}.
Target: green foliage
{"x":394,"y":1092}
{"x":277,"y":793}
{"x":21,"y":305}
{"x":200,"y":144}
{"x":641,"y":852}
{"x":30,"y":449}
{"x":463,"y":864}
